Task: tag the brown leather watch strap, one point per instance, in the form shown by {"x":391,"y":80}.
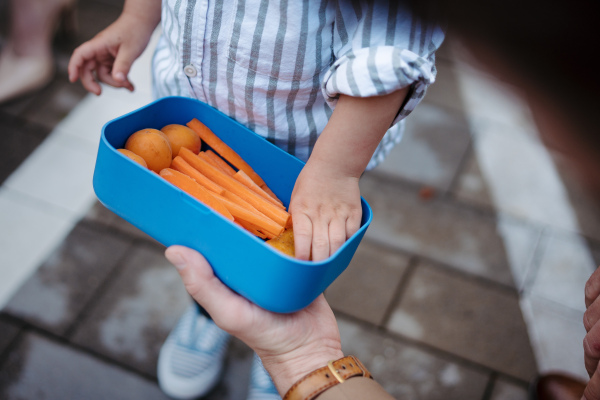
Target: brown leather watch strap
{"x":318,"y":381}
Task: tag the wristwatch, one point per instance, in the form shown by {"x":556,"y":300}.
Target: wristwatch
{"x":334,"y":373}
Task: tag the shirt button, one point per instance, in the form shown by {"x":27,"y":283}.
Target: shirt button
{"x":190,"y":70}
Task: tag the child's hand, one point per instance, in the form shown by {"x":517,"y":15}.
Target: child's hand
{"x":325,"y":209}
{"x":109,"y":55}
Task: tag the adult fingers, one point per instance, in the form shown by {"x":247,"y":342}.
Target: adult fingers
{"x":591,"y":349}
{"x":320,"y":240}
{"x":303,"y":230}
{"x":592,"y":390}
{"x":353,"y":223}
{"x":592,"y":288}
{"x":225,"y":307}
{"x":337,"y":235}
{"x":591,"y":315}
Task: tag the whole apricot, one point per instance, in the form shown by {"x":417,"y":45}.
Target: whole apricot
{"x":134,"y":157}
{"x":181,"y":136}
{"x":152,"y":146}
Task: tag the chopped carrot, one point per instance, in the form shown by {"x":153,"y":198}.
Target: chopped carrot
{"x":212,"y":162}
{"x":224,"y":150}
{"x":242,"y":177}
{"x":179,"y":164}
{"x":275,"y":213}
{"x":193,"y":188}
{"x":222,"y":164}
{"x":269,"y":192}
{"x":239,"y":201}
{"x":264,"y":224}
{"x":253,"y":229}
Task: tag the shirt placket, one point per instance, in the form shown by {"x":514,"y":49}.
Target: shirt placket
{"x":193,"y":45}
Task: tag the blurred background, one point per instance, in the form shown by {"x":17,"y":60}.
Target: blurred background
{"x":468,"y":283}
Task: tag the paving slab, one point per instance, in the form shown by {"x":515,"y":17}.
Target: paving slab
{"x":507,"y":390}
{"x":8,"y":332}
{"x":432,"y":149}
{"x":98,"y":213}
{"x":17,"y":141}
{"x":408,"y":372}
{"x":367,"y":287}
{"x":55,"y":296}
{"x":134,"y":315}
{"x":557,"y":334}
{"x":43,"y":369}
{"x":566,"y":263}
{"x":465,"y":317}
{"x":446,"y":231}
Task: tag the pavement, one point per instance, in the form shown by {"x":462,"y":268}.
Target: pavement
{"x":468,"y":283}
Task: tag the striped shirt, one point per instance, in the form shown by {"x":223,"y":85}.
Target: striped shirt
{"x":279,"y":66}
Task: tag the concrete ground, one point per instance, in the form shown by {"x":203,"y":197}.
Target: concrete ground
{"x":468,"y":283}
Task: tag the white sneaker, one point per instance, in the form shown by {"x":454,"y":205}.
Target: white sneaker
{"x":191,"y":359}
{"x":261,"y":384}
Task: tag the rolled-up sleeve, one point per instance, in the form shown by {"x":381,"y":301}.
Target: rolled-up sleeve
{"x":379,"y":48}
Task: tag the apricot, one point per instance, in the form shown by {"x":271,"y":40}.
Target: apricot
{"x":284,"y":242}
{"x":134,"y":157}
{"x":181,"y":136}
{"x":152,"y":146}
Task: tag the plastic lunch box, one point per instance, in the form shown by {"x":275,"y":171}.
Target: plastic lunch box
{"x":242,"y":261}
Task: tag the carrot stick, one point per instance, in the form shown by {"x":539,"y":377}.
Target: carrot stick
{"x":242,"y":177}
{"x":179,"y":164}
{"x":222,"y":164}
{"x":253,"y":229}
{"x":269,"y":192}
{"x":224,"y":150}
{"x":239,"y":201}
{"x":193,"y":188}
{"x":275,"y":213}
{"x":212,"y":162}
{"x":266,"y":225}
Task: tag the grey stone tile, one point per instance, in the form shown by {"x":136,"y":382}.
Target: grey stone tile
{"x":432,"y":148}
{"x":8,"y":332}
{"x":134,"y":315}
{"x":507,"y":390}
{"x":54,"y":297}
{"x":43,"y":369}
{"x":467,"y":318}
{"x":446,"y":231}
{"x":408,"y":372}
{"x":98,"y":213}
{"x":17,"y":142}
{"x":445,"y":91}
{"x":62,"y":100}
{"x":368,"y":285}
{"x":471,"y":186}
{"x":557,"y":334}
{"x":566,"y":263}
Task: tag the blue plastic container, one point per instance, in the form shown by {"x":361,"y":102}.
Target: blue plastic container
{"x":242,"y":261}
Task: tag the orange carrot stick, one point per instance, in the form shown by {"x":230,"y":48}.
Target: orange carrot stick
{"x":275,"y":213}
{"x":266,"y":225}
{"x":239,"y":201}
{"x":193,"y":188}
{"x":253,"y":229}
{"x":222,"y":164}
{"x":269,"y":192}
{"x":242,"y":177}
{"x":212,"y":162}
{"x":179,"y":164}
{"x":224,"y":150}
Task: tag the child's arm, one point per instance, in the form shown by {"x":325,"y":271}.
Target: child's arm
{"x":109,"y":55}
{"x":325,"y":203}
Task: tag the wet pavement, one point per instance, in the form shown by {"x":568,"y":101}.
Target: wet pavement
{"x":468,"y":283}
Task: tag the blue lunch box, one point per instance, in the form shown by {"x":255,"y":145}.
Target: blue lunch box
{"x":245,"y":263}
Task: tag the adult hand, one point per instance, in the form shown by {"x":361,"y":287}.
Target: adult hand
{"x":289,"y":345}
{"x":591,"y":342}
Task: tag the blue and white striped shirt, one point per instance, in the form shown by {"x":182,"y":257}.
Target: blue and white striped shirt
{"x":278,"y":66}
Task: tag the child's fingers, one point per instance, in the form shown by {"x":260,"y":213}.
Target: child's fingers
{"x":104,"y":75}
{"x":302,"y":236}
{"x":337,"y":234}
{"x":353,"y":223}
{"x":125,"y":58}
{"x":88,"y":80}
{"x":320,"y":240}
